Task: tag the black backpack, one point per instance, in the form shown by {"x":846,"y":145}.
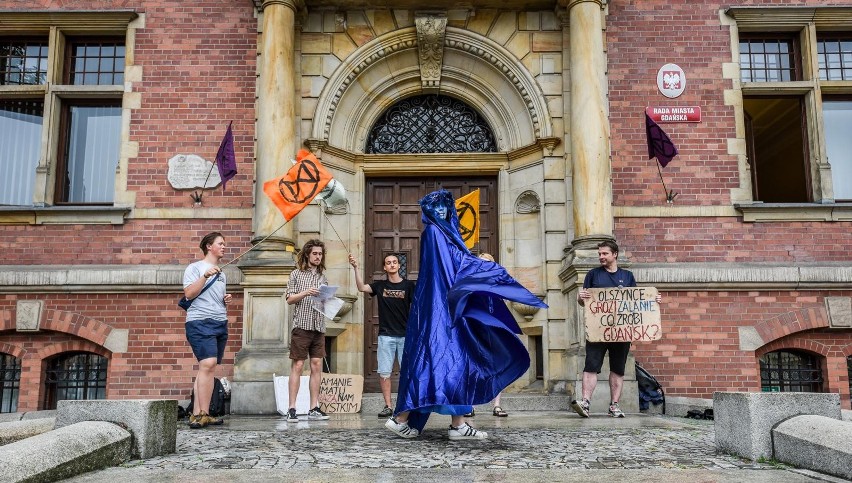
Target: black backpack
{"x":649,"y":389}
{"x":218,"y":402}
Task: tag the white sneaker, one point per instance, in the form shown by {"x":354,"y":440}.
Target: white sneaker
{"x":466,"y":431}
{"x":615,"y":411}
{"x":316,"y":414}
{"x":581,"y":407}
{"x":402,"y":429}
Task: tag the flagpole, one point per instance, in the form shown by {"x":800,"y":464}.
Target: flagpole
{"x":197,"y":197}
{"x":335,"y":231}
{"x":256,"y":244}
{"x":670,"y":196}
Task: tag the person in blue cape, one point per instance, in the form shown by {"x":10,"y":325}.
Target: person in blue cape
{"x":461,"y":346}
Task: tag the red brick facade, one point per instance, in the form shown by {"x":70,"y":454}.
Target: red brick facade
{"x":198,"y":62}
{"x":700,"y":352}
{"x":158,"y":363}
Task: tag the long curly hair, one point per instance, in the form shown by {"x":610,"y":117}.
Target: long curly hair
{"x":302,"y":260}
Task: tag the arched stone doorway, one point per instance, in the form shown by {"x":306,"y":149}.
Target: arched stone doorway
{"x":475,"y":71}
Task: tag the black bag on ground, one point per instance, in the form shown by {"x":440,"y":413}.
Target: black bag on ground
{"x":218,"y":402}
{"x":650,"y":391}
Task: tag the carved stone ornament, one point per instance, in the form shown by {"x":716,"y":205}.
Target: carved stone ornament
{"x":28,"y":315}
{"x":528,"y":202}
{"x":524,"y":310}
{"x":188,"y":171}
{"x":348,"y":303}
{"x":431,"y":29}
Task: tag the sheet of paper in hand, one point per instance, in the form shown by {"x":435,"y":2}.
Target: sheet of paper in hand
{"x":326,"y":303}
{"x":622,"y":315}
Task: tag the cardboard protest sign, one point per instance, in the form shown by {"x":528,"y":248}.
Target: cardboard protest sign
{"x":341,"y":393}
{"x":622,"y":315}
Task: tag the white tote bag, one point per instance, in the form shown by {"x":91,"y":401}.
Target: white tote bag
{"x":282,"y":394}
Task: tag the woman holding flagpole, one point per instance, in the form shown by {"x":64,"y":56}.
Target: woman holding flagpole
{"x":206,"y":323}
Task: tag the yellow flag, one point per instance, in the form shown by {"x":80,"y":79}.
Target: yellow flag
{"x":467,"y":208}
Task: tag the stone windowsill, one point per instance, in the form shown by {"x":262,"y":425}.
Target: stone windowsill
{"x":775,"y":212}
{"x":85,"y":215}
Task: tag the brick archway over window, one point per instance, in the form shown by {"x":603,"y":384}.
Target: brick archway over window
{"x":66,"y":322}
{"x":847,"y":351}
{"x":806,"y":345}
{"x":790,"y":323}
{"x":12,"y":350}
{"x":71,"y":346}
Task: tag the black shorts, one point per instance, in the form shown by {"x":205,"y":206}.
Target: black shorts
{"x":595,"y":352}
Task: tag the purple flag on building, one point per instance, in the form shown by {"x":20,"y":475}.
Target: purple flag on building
{"x":226,"y":161}
{"x":659,"y":144}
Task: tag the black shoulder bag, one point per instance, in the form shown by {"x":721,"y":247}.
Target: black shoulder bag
{"x":186,"y":303}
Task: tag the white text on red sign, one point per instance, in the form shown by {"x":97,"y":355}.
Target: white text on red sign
{"x":675,"y":114}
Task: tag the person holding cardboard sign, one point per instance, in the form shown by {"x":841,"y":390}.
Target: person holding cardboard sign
{"x":307,"y":339}
{"x":607,"y":275}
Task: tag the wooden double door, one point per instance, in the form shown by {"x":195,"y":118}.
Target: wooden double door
{"x":393,"y":225}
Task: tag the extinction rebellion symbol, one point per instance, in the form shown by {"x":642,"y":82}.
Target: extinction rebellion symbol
{"x":468,"y":219}
{"x":305,"y":185}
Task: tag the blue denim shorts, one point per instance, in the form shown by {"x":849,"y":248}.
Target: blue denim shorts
{"x":207,"y":337}
{"x":388,"y":348}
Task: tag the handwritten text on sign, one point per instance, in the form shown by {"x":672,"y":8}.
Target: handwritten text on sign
{"x":622,"y":315}
{"x":341,"y":393}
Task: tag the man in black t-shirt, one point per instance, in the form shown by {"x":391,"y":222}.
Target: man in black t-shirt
{"x":394,"y":297}
{"x":607,"y":275}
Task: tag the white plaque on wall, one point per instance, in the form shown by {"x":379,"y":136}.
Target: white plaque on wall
{"x":671,"y":80}
{"x":28,"y":315}
{"x":188,"y":171}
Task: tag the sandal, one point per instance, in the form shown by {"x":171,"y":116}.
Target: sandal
{"x":498,"y":411}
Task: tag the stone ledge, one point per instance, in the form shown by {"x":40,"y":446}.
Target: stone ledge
{"x":152,"y":422}
{"x":18,"y":430}
{"x":743,"y":276}
{"x":99,"y":278}
{"x":65,"y":452}
{"x":85,"y":215}
{"x":7,"y":417}
{"x":815,"y":442}
{"x":511,"y":402}
{"x":782,"y":212}
{"x":744,"y":420}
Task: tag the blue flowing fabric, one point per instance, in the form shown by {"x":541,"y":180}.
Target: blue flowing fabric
{"x":460,"y":345}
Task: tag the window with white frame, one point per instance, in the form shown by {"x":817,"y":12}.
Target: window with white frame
{"x":796,"y":83}
{"x":61,"y":90}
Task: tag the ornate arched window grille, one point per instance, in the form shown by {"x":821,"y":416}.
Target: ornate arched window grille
{"x":790,"y":371}
{"x":10,"y":380}
{"x":76,"y":376}
{"x":849,"y":368}
{"x":430,"y":124}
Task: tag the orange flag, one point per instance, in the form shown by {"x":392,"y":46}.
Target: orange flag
{"x":302,"y":183}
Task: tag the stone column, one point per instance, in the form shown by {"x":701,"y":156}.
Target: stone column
{"x":266,"y":334}
{"x":592,"y":187}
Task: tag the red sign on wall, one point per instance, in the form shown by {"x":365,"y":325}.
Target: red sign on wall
{"x":674,"y":114}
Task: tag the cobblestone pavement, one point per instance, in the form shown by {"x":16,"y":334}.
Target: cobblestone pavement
{"x":524,"y":441}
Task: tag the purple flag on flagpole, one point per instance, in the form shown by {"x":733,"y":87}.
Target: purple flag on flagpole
{"x":226,"y":161}
{"x":659,"y":144}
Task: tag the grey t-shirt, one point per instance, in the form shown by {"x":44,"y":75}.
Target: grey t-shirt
{"x":211,"y":303}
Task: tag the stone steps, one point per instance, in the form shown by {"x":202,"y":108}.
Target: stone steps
{"x":373,"y":403}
